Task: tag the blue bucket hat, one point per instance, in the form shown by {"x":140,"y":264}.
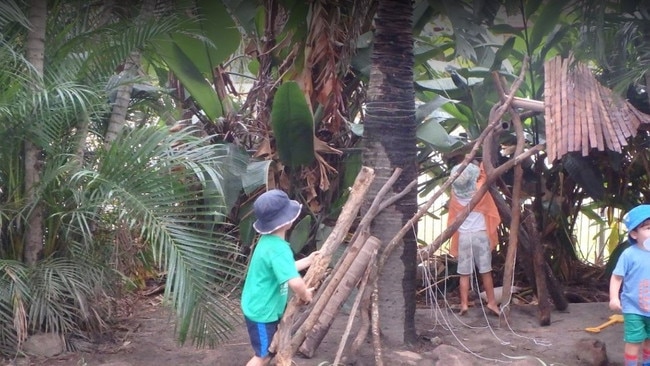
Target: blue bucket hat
{"x":273,"y":209}
{"x":634,"y":218}
{"x":465,"y":185}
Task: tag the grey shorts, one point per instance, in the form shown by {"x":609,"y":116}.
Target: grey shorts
{"x":474,"y":249}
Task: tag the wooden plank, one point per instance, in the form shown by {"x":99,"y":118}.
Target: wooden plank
{"x":549,"y":124}
{"x":599,"y":117}
{"x":629,"y":119}
{"x":618,"y":107}
{"x":581,"y":109}
{"x":567,"y":119}
{"x":617,"y":123}
{"x":595,"y":136}
{"x":547,"y":111}
{"x":609,"y":130}
{"x":557,"y":108}
{"x":641,"y":117}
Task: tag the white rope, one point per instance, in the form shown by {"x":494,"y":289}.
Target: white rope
{"x":536,"y":341}
{"x":442,"y":319}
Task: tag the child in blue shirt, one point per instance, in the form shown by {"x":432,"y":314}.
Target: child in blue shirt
{"x":632,"y":271}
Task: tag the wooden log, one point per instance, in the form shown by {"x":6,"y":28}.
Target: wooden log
{"x":282,"y":339}
{"x":544,"y":314}
{"x":553,"y":284}
{"x":355,"y":306}
{"x":525,"y":259}
{"x":349,"y":275}
{"x":343,"y":223}
{"x":508,"y":272}
{"x":360,"y":236}
{"x":529,"y":104}
{"x":448,"y":232}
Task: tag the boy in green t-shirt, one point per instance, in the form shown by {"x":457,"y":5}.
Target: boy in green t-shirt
{"x":272,"y":269}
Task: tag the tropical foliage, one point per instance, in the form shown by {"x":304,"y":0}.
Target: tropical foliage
{"x":155,"y":124}
{"x":151,"y":196}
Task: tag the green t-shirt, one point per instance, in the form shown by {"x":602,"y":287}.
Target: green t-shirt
{"x":265,"y":293}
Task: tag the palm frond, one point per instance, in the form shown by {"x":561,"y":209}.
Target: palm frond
{"x":15,"y":298}
{"x":157,"y":184}
{"x":10,"y":12}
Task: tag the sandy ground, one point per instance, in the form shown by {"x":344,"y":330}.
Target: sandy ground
{"x":150,"y":342}
{"x":496,"y":343}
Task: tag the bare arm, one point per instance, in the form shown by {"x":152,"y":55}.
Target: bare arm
{"x":614,"y":288}
{"x":299,"y":287}
{"x":306,"y":262}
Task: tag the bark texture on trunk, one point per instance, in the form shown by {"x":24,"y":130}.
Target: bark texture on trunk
{"x":33,"y":165}
{"x":390,"y":142}
{"x":123,"y":97}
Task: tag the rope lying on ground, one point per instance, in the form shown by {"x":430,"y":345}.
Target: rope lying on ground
{"x":445,"y":317}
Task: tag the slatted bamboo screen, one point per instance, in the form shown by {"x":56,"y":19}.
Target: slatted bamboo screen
{"x":581,"y":114}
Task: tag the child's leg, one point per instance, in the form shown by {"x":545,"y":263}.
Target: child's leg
{"x":464,"y":293}
{"x":632,"y":353}
{"x":646,"y":353}
{"x":258,"y":361}
{"x":260,"y":335}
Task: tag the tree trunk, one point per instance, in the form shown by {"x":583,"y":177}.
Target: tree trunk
{"x":389,"y":135}
{"x":33,"y":164}
{"x":543,"y":299}
{"x":123,"y":97}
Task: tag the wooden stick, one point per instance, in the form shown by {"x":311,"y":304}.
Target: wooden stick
{"x":353,"y":312}
{"x":337,"y":291}
{"x":364,"y":317}
{"x":446,"y":234}
{"x":363,"y":230}
{"x":282,"y":339}
{"x":376,"y":340}
{"x":511,"y":254}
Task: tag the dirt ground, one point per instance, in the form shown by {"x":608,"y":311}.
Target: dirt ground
{"x":149,"y":341}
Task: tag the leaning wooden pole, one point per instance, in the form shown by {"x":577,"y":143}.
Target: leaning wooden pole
{"x":511,"y":254}
{"x":358,"y":239}
{"x":496,"y":114}
{"x":541,"y":285}
{"x":282,"y":339}
{"x":350,"y":277}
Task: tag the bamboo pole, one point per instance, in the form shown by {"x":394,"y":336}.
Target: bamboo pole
{"x":355,"y":306}
{"x":511,"y":254}
{"x":529,"y":104}
{"x":348,"y":277}
{"x":282,"y":339}
{"x":360,"y":236}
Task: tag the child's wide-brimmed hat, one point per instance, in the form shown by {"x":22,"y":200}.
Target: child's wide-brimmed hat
{"x":273,"y":209}
{"x":634,"y":218}
{"x":465,"y":185}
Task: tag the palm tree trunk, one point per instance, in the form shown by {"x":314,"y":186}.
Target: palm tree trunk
{"x":123,"y":97}
{"x":33,"y":166}
{"x":389,"y":134}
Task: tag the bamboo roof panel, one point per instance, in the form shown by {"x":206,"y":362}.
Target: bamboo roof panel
{"x":581,"y":114}
{"x":549,"y":127}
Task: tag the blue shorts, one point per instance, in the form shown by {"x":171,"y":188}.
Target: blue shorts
{"x":261,"y":335}
{"x":636,"y":328}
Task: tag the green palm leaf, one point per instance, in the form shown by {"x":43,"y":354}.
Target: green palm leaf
{"x":157,"y":184}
